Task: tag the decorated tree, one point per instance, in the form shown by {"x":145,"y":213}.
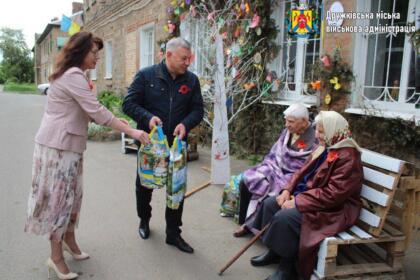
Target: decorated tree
{"x":236,"y":41}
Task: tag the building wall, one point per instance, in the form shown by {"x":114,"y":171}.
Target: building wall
{"x":46,"y":52}
{"x":119,"y":22}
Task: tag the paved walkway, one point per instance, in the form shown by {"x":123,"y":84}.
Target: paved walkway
{"x":108,"y":224}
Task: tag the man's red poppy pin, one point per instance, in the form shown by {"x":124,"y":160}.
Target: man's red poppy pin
{"x":184,"y":89}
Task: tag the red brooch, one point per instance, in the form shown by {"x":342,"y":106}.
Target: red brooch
{"x":301,"y":144}
{"x":91,"y":85}
{"x":332,"y":155}
{"x":184,"y":89}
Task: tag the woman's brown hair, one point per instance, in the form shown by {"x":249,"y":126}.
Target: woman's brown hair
{"x":74,"y":52}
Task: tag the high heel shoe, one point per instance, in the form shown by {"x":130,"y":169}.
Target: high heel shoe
{"x":51,"y":266}
{"x":79,"y":257}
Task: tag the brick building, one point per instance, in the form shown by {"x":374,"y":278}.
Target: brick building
{"x":383,"y":62}
{"x":130,"y":30}
{"x":49,"y":43}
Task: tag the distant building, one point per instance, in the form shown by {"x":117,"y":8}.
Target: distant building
{"x":131,"y":30}
{"x":48,"y":44}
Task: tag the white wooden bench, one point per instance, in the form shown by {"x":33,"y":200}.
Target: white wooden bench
{"x":374,"y":244}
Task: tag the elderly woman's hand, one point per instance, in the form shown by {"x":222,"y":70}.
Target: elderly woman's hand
{"x":288,"y":204}
{"x":285,"y":195}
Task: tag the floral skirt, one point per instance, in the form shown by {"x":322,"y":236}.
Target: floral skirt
{"x":56,"y":193}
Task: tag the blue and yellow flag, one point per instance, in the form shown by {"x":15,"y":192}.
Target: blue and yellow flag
{"x":74,"y":28}
{"x":65,"y":23}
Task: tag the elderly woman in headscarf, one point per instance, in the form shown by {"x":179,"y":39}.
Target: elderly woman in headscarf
{"x":322,"y":199}
{"x":268,"y":178}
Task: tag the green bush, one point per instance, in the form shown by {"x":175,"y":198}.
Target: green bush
{"x":113,"y":102}
{"x":15,"y":87}
{"x":2,"y":76}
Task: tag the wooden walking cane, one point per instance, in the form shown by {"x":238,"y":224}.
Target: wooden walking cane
{"x":203,"y":186}
{"x":252,"y":241}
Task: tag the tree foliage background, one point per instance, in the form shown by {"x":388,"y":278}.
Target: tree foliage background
{"x":17,"y":64}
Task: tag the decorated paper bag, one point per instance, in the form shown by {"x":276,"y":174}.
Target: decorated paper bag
{"x":153,"y":160}
{"x":230,"y":198}
{"x":177,"y":179}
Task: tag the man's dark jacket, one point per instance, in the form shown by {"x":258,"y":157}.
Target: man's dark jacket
{"x":154,"y":93}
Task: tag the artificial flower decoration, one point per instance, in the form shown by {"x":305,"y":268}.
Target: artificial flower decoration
{"x":316,"y":85}
{"x":335,"y":82}
{"x":258,"y":66}
{"x":247,"y":8}
{"x":211,"y":16}
{"x":184,"y":89}
{"x":249,"y":86}
{"x":327,"y":99}
{"x":237,"y":32}
{"x":171,"y":27}
{"x":255,"y":21}
{"x":332,"y":155}
{"x":193,"y":11}
{"x":242,"y":5}
{"x":301,"y":144}
{"x":326,"y":61}
{"x":182,"y":17}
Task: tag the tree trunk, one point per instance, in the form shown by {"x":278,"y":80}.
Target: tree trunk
{"x":220,"y":160}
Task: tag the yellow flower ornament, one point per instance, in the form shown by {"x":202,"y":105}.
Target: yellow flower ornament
{"x":335,"y":82}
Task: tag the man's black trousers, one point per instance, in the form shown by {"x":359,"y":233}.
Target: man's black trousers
{"x":144,"y":210}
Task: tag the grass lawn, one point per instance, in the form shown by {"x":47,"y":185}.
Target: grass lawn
{"x":14,"y":87}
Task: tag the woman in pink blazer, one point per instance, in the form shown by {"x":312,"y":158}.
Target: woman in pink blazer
{"x":56,"y":194}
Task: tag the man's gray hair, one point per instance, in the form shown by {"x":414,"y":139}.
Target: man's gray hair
{"x":298,"y":111}
{"x":176,"y":43}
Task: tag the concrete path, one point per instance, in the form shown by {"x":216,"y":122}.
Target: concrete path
{"x":108,"y":224}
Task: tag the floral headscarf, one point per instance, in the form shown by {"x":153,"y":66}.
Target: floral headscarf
{"x":336,"y":128}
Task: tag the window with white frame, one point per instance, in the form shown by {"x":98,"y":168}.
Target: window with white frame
{"x":385,"y":62}
{"x":296,"y":56}
{"x":147,"y":42}
{"x":108,"y":60}
{"x":193,"y":30}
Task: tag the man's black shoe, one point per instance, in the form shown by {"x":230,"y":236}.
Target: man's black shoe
{"x":144,"y":230}
{"x":180,"y":243}
{"x":267,"y":258}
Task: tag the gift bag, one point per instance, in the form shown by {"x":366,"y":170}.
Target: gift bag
{"x":230,"y":198}
{"x":177,"y":179}
{"x":153,"y":160}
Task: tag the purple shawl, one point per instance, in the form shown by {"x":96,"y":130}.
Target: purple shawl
{"x":277,"y":169}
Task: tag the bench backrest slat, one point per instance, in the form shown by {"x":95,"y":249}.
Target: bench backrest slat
{"x":382,"y":161}
{"x":369,"y":218}
{"x":375,"y":196}
{"x":379,"y":178}
{"x":360,"y":232}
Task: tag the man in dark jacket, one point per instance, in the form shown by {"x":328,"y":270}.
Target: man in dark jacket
{"x":165,"y":94}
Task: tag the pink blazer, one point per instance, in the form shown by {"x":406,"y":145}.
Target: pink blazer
{"x":70,"y":106}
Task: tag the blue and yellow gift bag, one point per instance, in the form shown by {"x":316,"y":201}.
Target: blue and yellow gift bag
{"x":153,"y":160}
{"x":177,"y":169}
{"x":230,"y":198}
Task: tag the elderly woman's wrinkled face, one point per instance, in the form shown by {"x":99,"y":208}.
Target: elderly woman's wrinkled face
{"x":296,"y":125}
{"x":320,"y":134}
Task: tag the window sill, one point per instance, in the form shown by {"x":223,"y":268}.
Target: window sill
{"x":387,"y":114}
{"x":108,"y":78}
{"x":286,"y":103}
{"x":93,"y":79}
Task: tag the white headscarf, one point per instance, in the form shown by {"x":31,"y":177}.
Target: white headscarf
{"x":336,"y":130}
